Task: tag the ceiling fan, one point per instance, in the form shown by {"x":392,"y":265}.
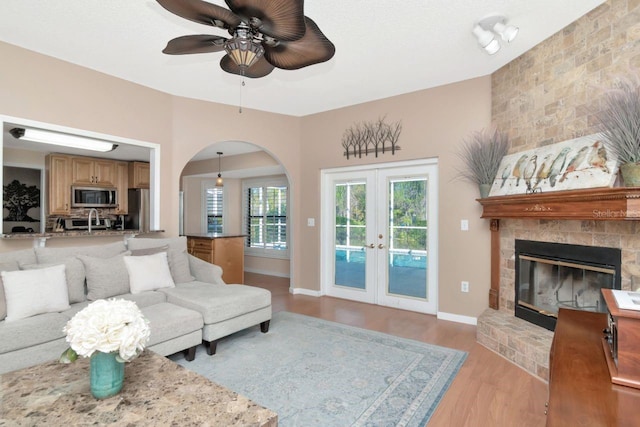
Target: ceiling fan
{"x":265,"y":34}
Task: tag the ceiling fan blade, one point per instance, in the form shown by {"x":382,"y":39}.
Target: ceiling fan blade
{"x":311,"y":49}
{"x":280,"y":19}
{"x":194,"y":44}
{"x":202,"y":12}
{"x":260,"y":69}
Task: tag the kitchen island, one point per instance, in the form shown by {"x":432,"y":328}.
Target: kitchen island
{"x":225,"y":250}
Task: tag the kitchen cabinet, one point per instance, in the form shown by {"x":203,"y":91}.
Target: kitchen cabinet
{"x":93,"y":172}
{"x":122,"y":184}
{"x":58,"y":171}
{"x":224,"y":251}
{"x":139,"y":175}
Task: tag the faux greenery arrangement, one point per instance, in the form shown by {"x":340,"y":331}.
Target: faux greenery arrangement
{"x":481,"y":154}
{"x":619,"y":120}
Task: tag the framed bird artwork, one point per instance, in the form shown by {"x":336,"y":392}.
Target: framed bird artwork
{"x":578,"y":163}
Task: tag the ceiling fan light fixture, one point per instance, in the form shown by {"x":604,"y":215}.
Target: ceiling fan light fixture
{"x":62,"y":139}
{"x":242,"y":49}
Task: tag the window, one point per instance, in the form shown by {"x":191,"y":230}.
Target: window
{"x":265,"y":220}
{"x":214,"y":197}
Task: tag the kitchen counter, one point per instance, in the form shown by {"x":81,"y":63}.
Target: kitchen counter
{"x":214,"y":235}
{"x":156,"y":391}
{"x":76,"y":233}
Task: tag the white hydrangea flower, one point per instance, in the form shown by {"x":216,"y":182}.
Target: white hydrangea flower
{"x":108,"y":326}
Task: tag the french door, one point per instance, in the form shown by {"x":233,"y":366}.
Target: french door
{"x":379,"y":234}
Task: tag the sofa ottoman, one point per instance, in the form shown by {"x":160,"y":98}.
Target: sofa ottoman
{"x":173,"y":329}
{"x":225,"y":309}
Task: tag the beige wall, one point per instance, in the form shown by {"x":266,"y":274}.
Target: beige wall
{"x":40,"y":88}
{"x":549,"y":95}
{"x":434,"y":121}
{"x":278,"y":135}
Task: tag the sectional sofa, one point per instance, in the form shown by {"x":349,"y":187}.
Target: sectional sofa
{"x":183,"y":297}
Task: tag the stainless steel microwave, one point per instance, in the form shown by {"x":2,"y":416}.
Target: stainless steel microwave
{"x":94,"y":197}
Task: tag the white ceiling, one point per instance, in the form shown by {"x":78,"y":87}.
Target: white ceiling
{"x":383,"y":48}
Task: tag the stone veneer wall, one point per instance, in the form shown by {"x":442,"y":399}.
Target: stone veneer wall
{"x":545,"y":96}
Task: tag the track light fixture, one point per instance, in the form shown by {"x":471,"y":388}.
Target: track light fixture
{"x":488,"y":28}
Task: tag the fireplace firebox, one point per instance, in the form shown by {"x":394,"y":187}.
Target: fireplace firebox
{"x":554,"y":275}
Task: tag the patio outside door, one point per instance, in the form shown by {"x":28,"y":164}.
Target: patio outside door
{"x":380,"y":235}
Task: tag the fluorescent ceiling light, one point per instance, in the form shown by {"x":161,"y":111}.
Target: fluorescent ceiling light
{"x":62,"y":139}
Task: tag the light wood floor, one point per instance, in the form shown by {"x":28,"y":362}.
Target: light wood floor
{"x":488,"y":390}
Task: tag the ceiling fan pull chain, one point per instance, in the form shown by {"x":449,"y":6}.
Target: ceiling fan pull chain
{"x":241,"y":86}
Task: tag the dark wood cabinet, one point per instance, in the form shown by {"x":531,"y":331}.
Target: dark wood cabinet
{"x":580,"y":389}
{"x":624,"y":332}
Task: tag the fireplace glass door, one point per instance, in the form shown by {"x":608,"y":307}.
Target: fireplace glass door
{"x":546,"y":285}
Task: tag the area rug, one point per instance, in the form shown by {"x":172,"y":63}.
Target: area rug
{"x":314,"y":372}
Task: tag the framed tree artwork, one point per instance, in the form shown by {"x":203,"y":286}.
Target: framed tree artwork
{"x":22,"y":200}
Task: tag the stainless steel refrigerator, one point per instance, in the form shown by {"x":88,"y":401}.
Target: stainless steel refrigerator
{"x":138,"y":217}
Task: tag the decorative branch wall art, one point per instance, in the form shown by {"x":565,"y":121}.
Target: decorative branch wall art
{"x":371,"y":137}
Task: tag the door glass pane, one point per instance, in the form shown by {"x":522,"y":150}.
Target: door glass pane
{"x":350,"y":234}
{"x":408,"y":238}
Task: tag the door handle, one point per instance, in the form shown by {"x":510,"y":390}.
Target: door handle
{"x":371,"y":246}
{"x":380,"y":246}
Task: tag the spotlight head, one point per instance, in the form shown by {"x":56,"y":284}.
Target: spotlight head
{"x":486,"y":40}
{"x":506,"y":32}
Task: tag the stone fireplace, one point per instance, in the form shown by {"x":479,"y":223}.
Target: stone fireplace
{"x":565,"y":218}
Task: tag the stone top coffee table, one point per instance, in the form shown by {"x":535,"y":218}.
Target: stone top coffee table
{"x":156,"y":391}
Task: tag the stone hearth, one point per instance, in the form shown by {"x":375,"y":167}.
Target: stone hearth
{"x":523,"y":343}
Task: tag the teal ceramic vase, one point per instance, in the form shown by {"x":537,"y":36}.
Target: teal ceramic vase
{"x":107,"y":375}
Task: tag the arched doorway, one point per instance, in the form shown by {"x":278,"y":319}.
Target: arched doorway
{"x":253,"y":202}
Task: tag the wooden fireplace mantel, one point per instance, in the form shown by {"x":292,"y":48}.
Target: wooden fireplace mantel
{"x":594,"y":204}
{"x":598,"y":204}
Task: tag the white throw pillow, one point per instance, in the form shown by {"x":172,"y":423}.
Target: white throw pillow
{"x":149,"y":272}
{"x":31,"y":292}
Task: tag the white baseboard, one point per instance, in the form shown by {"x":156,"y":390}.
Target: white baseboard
{"x":266,"y":272}
{"x":302,"y":291}
{"x":457,"y":318}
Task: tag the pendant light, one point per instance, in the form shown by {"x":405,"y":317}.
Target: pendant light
{"x":219,"y":182}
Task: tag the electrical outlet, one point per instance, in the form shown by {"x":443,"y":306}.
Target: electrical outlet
{"x":464,"y":224}
{"x":311,"y":222}
{"x":464,"y":286}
